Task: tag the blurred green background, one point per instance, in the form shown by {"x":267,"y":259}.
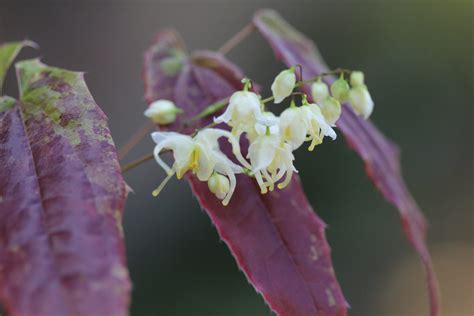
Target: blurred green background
{"x":418,"y":60}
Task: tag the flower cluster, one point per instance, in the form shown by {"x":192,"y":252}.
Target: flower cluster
{"x":272,"y":138}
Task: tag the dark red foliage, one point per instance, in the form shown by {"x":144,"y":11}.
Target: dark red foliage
{"x":277,"y":239}
{"x":380,"y":155}
{"x":61,"y":201}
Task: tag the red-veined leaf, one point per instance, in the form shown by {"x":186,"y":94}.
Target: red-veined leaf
{"x":61,"y":200}
{"x":277,"y":239}
{"x":380,"y":155}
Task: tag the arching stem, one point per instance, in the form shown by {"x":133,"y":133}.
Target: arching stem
{"x":141,"y":132}
{"x":137,"y":162}
{"x":237,"y":39}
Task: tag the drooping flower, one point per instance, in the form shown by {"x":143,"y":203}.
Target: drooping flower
{"x":268,"y":119}
{"x":294,"y":125}
{"x":283,"y":84}
{"x":304,"y":123}
{"x":330,"y":106}
{"x":319,"y":91}
{"x":359,"y":96}
{"x":211,"y":136}
{"x":242,"y":113}
{"x":199,"y":154}
{"x":318,"y":126}
{"x":271,"y":158}
{"x":162,"y":112}
{"x":340,"y":89}
{"x":361,"y":101}
{"x":331,"y":109}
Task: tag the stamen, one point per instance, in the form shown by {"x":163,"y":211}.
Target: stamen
{"x":269,"y":178}
{"x":314,"y":142}
{"x":280,"y":174}
{"x":194,"y":160}
{"x":263,"y":187}
{"x":289,"y":174}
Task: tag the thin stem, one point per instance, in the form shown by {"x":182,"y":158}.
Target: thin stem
{"x":135,"y":139}
{"x":301,"y":70}
{"x":211,"y":109}
{"x":236,"y":39}
{"x":137,"y":162}
{"x":204,"y":127}
{"x":266,"y":100}
{"x":324,"y":74}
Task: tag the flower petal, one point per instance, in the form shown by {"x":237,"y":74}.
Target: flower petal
{"x":261,"y":152}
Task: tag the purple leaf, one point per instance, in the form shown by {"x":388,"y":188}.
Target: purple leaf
{"x":61,"y":201}
{"x":167,"y":58}
{"x":380,"y":155}
{"x":277,"y":239}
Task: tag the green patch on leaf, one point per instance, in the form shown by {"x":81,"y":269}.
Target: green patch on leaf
{"x":59,"y":96}
{"x":59,"y":167}
{"x":173,"y":64}
{"x":6,"y":103}
{"x":8,"y":52}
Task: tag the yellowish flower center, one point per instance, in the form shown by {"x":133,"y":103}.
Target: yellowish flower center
{"x":194,"y":164}
{"x":287,"y":133}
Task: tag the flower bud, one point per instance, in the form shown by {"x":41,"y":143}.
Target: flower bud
{"x":357,"y":78}
{"x":283,"y":84}
{"x":162,"y":112}
{"x":219,"y":185}
{"x":331,"y":109}
{"x":361,"y":101}
{"x":340,"y":89}
{"x":319,"y":91}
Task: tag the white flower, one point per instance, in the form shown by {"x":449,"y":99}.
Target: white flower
{"x":319,"y":91}
{"x":242,"y":113}
{"x":211,"y":136}
{"x":162,"y":112}
{"x":283,"y":84}
{"x":268,"y":119}
{"x":200,"y":155}
{"x":271,"y":158}
{"x":304,"y":123}
{"x":294,"y":125}
{"x":361,"y":101}
{"x":318,"y":126}
{"x":331,"y":109}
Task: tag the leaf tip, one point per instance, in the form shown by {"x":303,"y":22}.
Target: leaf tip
{"x":30,"y":43}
